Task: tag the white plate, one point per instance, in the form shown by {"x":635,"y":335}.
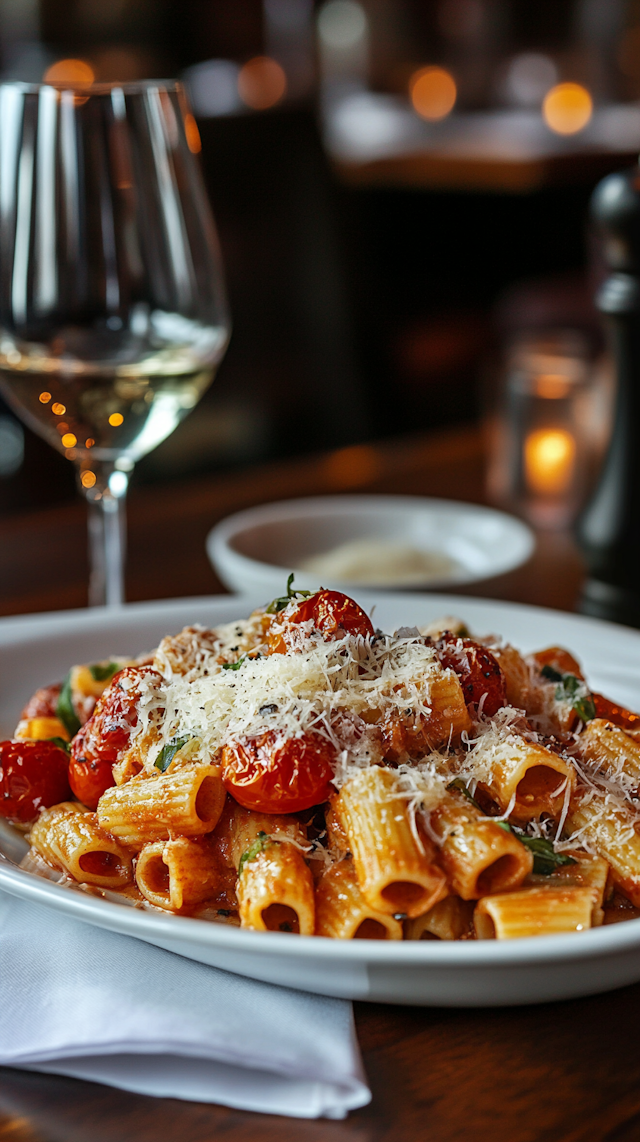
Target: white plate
{"x":38,"y":649}
{"x":254,"y":550}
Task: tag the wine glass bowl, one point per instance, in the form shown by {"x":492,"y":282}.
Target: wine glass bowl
{"x":113,"y":316}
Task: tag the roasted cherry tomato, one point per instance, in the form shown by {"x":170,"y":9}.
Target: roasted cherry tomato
{"x":477,"y":669}
{"x":332,"y":613}
{"x":560,"y":659}
{"x":620,"y":716}
{"x":101,"y":741}
{"x":88,"y":776}
{"x":42,"y":704}
{"x":33,"y":776}
{"x":276,"y":774}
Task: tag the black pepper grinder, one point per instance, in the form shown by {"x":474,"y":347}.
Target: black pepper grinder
{"x":609,"y":530}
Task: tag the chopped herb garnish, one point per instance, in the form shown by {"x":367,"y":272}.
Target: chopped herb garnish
{"x":65,"y":710}
{"x":234,"y":665}
{"x":61,"y":744}
{"x":101,"y":671}
{"x":258,"y":846}
{"x":279,"y":604}
{"x":169,"y":751}
{"x":573,"y":690}
{"x":459,"y":784}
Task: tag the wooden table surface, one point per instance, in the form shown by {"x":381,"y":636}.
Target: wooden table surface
{"x":567,"y":1071}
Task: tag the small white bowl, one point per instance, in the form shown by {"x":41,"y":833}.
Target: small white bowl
{"x":253,"y":551}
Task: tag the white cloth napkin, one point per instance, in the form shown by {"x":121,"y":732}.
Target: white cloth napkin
{"x":77,"y":1000}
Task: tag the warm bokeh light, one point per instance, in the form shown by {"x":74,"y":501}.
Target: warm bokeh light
{"x":71,"y":71}
{"x":261,"y":83}
{"x":351,"y":467}
{"x":88,"y":479}
{"x":89,"y":442}
{"x":433,"y":92}
{"x":567,"y":108}
{"x":116,"y":419}
{"x":549,"y":458}
{"x":44,"y":398}
{"x":192,"y":133}
{"x":69,"y":440}
{"x":57,"y":409}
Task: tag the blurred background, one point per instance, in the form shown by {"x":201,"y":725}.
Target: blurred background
{"x":401,"y":189}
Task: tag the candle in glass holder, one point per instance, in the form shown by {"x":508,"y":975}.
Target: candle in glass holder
{"x":541,"y":431}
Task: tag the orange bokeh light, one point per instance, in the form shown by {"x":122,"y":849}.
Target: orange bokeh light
{"x":116,"y":419}
{"x":567,"y":108}
{"x":69,"y":71}
{"x":549,"y":456}
{"x":192,"y":133}
{"x":433,"y":92}
{"x":58,"y":409}
{"x":351,"y":467}
{"x":261,"y":83}
{"x":89,"y":442}
{"x":88,"y":479}
{"x":44,"y":398}
{"x":69,"y":440}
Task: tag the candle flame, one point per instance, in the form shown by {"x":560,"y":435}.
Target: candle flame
{"x":549,"y":459}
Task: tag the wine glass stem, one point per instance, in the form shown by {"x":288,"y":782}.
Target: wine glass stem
{"x":107,"y":540}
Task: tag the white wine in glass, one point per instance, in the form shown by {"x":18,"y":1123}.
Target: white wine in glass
{"x":113,"y":316}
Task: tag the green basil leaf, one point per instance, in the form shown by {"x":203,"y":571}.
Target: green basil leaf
{"x":277,"y":605}
{"x":100,"y":671}
{"x":65,"y":710}
{"x":573,"y":690}
{"x":61,"y":744}
{"x":258,"y":846}
{"x":585,"y":708}
{"x":545,"y":859}
{"x":459,"y":784}
{"x":234,"y":665}
{"x":169,"y":751}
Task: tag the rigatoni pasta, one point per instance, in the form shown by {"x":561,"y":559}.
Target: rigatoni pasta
{"x":299,"y":772}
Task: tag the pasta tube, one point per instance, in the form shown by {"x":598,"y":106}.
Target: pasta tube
{"x":417,"y":734}
{"x":177,"y":874}
{"x":449,"y":919}
{"x":609,"y":828}
{"x":533,"y":912}
{"x":610,"y":750}
{"x":275,"y":890}
{"x":188,"y":802}
{"x":240,"y":828}
{"x":342,"y":911}
{"x":395,"y":871}
{"x":70,"y":838}
{"x":478,"y":856}
{"x":275,"y":886}
{"x":524,"y":776}
{"x":587,"y":872}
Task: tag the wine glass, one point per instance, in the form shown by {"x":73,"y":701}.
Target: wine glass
{"x":113,"y":316}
